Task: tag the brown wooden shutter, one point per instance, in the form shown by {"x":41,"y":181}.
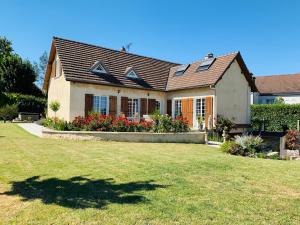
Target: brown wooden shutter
{"x":151,"y":105}
{"x":208,"y":109}
{"x":88,"y":104}
{"x":124,"y":105}
{"x":187,"y":109}
{"x":143,"y":106}
{"x":113,"y":105}
{"x":169,"y":107}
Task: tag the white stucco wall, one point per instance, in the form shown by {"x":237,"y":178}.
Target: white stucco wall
{"x":233,"y":95}
{"x":59,"y":90}
{"x":78,"y":91}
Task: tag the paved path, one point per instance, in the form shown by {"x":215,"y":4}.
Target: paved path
{"x":32,"y":128}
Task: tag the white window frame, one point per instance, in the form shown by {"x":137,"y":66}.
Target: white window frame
{"x":107,"y":103}
{"x":131,"y":112}
{"x":202,"y":111}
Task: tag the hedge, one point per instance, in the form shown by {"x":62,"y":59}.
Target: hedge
{"x":274,"y":117}
{"x":25,"y":103}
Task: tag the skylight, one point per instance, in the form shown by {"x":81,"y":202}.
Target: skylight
{"x":98,"y":67}
{"x":204,"y":65}
{"x":181,"y":69}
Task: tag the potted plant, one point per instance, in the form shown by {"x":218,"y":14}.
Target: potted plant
{"x":201,"y":123}
{"x":290,"y":147}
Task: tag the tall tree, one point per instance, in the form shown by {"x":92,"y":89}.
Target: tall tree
{"x":5,"y":47}
{"x":16,"y":74}
{"x":41,"y":67}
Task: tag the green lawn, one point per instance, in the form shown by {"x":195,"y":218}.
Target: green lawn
{"x":44,"y":181}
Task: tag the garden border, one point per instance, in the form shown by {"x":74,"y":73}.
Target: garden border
{"x":189,"y":137}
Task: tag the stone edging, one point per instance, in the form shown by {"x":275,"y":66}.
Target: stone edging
{"x":190,"y":137}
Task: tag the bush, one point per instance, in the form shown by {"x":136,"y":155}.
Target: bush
{"x":231,"y":147}
{"x":222,"y":124}
{"x":165,"y":124}
{"x":180,"y":125}
{"x":292,"y":140}
{"x":25,"y":103}
{"x":249,"y":144}
{"x":275,"y":117}
{"x":8,"y":112}
{"x":57,"y":124}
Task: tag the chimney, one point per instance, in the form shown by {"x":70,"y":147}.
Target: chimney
{"x":123,"y":49}
{"x":209,"y":56}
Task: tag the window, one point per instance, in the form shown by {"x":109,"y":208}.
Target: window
{"x":157,"y":106}
{"x":178,"y":108}
{"x":57,"y":69}
{"x":269,"y":101}
{"x":98,"y":67}
{"x":200,"y":108}
{"x":181,"y":69}
{"x":132,"y":74}
{"x":100,"y":104}
{"x":204,"y":65}
{"x":133,"y":107}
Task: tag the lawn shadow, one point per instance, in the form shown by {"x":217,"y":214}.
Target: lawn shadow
{"x":81,"y":192}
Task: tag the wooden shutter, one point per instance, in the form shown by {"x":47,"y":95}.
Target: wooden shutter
{"x":208,"y":109}
{"x":88,"y":104}
{"x":113,"y":105}
{"x":143,"y":106}
{"x":151,"y":105}
{"x":169,"y":107}
{"x":124,"y":105}
{"x":187,"y":109}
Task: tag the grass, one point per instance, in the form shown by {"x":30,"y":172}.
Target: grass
{"x":45,"y":181}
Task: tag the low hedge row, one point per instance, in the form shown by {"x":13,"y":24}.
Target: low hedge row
{"x":274,"y":117}
{"x":25,"y":103}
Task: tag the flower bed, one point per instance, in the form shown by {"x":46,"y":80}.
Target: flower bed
{"x":97,"y":122}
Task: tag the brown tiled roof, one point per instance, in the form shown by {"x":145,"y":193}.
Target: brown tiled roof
{"x":193,"y":78}
{"x":77,"y":58}
{"x":278,"y":84}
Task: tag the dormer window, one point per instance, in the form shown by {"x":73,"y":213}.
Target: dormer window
{"x":181,"y":69}
{"x":130,"y":73}
{"x":204,"y":65}
{"x":98,"y":67}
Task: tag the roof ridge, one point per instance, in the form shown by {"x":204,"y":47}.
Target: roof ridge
{"x":97,"y":46}
{"x":218,"y":56}
{"x":278,"y":75}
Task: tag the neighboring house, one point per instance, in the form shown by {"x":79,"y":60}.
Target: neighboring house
{"x":85,"y":78}
{"x":271,"y":87}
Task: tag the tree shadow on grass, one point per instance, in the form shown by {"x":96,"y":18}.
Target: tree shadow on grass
{"x":81,"y":192}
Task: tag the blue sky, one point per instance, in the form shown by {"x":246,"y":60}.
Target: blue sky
{"x":266,"y":32}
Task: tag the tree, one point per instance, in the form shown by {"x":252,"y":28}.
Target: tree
{"x":41,"y":67}
{"x":16,"y":74}
{"x":279,"y":100}
{"x":5,"y":47}
{"x":54,"y":106}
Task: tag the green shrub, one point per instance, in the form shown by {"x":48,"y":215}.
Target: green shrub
{"x":57,"y":124}
{"x":230,"y":147}
{"x":25,"y":103}
{"x":54,"y":106}
{"x":8,"y":112}
{"x":249,"y":144}
{"x":275,"y":117}
{"x":162,"y":123}
{"x":222,"y":124}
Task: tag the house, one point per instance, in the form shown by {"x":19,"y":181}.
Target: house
{"x":272,"y":87}
{"x":84,"y":78}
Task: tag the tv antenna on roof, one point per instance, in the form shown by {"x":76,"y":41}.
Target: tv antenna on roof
{"x":127,"y":47}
